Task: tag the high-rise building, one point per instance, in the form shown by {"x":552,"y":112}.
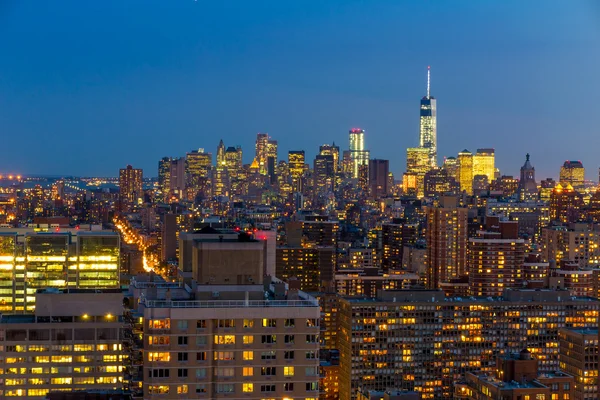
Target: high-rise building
{"x":199,"y":164}
{"x":271,"y":160}
{"x":424,"y":341}
{"x":428,"y":124}
{"x":221,"y":154}
{"x":296,"y":164}
{"x":565,"y":204}
{"x":572,"y":173}
{"x":451,"y":167}
{"x":509,"y":186}
{"x":324,"y":172}
{"x":72,"y":342}
{"x":233,"y":161}
{"x":164,"y":176}
{"x":447,"y":238}
{"x":131,"y":191}
{"x":465,"y":171}
{"x":262,"y":141}
{"x":358,"y":154}
{"x":334,"y":151}
{"x":418,"y":162}
{"x":437,"y":182}
{"x":527,"y":186}
{"x":378,"y":178}
{"x":71,"y":259}
{"x":495,"y":258}
{"x":220,"y":181}
{"x":578,"y":356}
{"x":484,"y":163}
{"x":178,"y":177}
{"x":394,"y":237}
{"x":577,"y":243}
{"x":312,"y":267}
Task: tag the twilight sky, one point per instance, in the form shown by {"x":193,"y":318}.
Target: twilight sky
{"x":87,"y":87}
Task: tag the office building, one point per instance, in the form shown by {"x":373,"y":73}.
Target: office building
{"x":178,"y":177}
{"x":484,"y":164}
{"x":424,"y":341}
{"x":515,"y":378}
{"x":565,"y":204}
{"x":451,"y":167}
{"x":418,"y":163}
{"x":465,"y":171}
{"x":199,"y":165}
{"x":250,"y":341}
{"x":447,"y":238}
{"x":221,"y":154}
{"x":528,"y":190}
{"x":313,"y":268}
{"x":507,"y":186}
{"x":437,"y":183}
{"x":532,"y":216}
{"x":572,"y":173}
{"x":359,"y":156}
{"x":378,"y":178}
{"x":131,"y":192}
{"x":428,"y":124}
{"x":296,"y":165}
{"x":495,"y":258}
{"x":324,"y":173}
{"x":61,"y":260}
{"x":578,"y":356}
{"x":164,"y":176}
{"x":334,"y":151}
{"x":72,"y":342}
{"x":220,"y":181}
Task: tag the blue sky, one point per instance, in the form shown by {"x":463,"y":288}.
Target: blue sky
{"x":87,"y":87}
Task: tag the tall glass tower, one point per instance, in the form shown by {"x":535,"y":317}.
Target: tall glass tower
{"x":358,"y":154}
{"x":428,"y":123}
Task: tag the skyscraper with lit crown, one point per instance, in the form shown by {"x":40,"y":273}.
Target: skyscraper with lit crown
{"x":358,"y":154}
{"x":428,"y":123}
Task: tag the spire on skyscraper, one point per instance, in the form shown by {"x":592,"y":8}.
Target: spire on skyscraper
{"x":428,"y":80}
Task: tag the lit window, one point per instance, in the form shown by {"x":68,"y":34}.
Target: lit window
{"x":247,"y":387}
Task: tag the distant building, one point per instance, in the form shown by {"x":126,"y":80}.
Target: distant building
{"x":465,"y":171}
{"x":484,"y":163}
{"x":359,"y":155}
{"x":572,"y":173}
{"x":378,"y":178}
{"x":131,"y":192}
{"x":565,"y":204}
{"x":527,"y":186}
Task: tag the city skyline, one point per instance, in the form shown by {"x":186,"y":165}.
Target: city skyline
{"x":166,"y":91}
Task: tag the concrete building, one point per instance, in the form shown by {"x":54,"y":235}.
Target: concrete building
{"x":578,"y":350}
{"x":577,"y":242}
{"x":72,"y":342}
{"x":394,"y":237}
{"x":230,"y":341}
{"x":424,"y":341}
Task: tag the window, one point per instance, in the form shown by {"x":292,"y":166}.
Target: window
{"x":225,"y":388}
{"x":182,"y":340}
{"x":201,"y":324}
{"x":288,"y":371}
{"x":200,"y":388}
{"x":224,"y":372}
{"x":201,"y":340}
{"x":248,"y":371}
{"x":201,"y":356}
{"x":248,"y":323}
{"x":540,"y":396}
{"x":311,"y":355}
{"x":248,"y":355}
{"x":159,"y":324}
{"x":566,"y":386}
{"x":269,"y":371}
{"x":269,"y":323}
{"x":268,"y":355}
{"x":182,"y":324}
{"x":224,"y":355}
{"x":312,"y":322}
{"x":158,"y":340}
{"x":289,"y":339}
{"x":267,"y":388}
{"x":269,"y":339}
{"x":226,"y":323}
{"x":200,"y":373}
{"x":182,"y":389}
{"x":312,"y":386}
{"x":158,"y":373}
{"x":288,"y":387}
{"x":289,"y":355}
{"x":247,"y":387}
{"x":182,"y":356}
{"x":162,"y":389}
{"x":312,"y":338}
{"x":224,"y":339}
{"x":290,"y":323}
{"x":248,"y":339}
{"x":182,"y":372}
{"x":310,"y":371}
{"x":161,"y":357}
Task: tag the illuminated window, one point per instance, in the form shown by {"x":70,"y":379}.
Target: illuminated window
{"x":247,"y":387}
{"x":248,"y":339}
{"x":288,"y":371}
{"x":248,"y":355}
{"x":269,"y":323}
{"x":224,"y":339}
{"x":248,"y":371}
{"x":248,"y":323}
{"x":182,"y":389}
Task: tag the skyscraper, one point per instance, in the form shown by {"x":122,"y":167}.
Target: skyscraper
{"x":130,"y":187}
{"x":465,"y":171}
{"x":296,"y":160}
{"x":527,"y":186}
{"x":428,"y":123}
{"x":334,"y":151}
{"x":221,"y":154}
{"x":198,"y":164}
{"x":358,"y":154}
{"x":572,"y":173}
{"x":177,"y":177}
{"x":164,"y":176}
{"x":418,"y":162}
{"x":324,"y":171}
{"x":378,"y":178}
{"x":483,"y":164}
{"x":265,"y":149}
